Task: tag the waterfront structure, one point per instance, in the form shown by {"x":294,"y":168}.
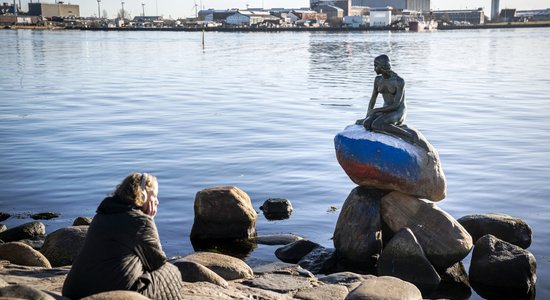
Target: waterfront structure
{"x":307,"y":16}
{"x":58,"y":9}
{"x":494,"y":9}
{"x":251,"y":18}
{"x":418,"y":5}
{"x":9,"y":20}
{"x":148,"y":21}
{"x":533,"y":15}
{"x":318,"y":5}
{"x":460,"y":17}
{"x":335,"y":15}
{"x":356,"y":21}
{"x":7,"y":8}
{"x":380,"y":17}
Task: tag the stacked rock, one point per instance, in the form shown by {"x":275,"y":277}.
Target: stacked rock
{"x":389,"y":225}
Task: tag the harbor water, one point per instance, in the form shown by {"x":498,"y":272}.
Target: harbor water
{"x":79,"y":110}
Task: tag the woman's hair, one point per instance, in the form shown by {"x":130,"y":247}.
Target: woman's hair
{"x":131,"y":191}
{"x":384,"y":62}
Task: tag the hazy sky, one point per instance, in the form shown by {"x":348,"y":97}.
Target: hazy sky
{"x":185,"y":8}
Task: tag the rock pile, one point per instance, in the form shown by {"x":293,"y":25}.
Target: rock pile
{"x":387,"y":228}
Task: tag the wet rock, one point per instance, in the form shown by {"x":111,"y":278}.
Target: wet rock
{"x":4,"y":216}
{"x":454,"y":284}
{"x":45,"y":216}
{"x":279,"y":282}
{"x":385,"y":162}
{"x":383,"y":288}
{"x":276,"y":208}
{"x":444,"y":241}
{"x":238,"y":219}
{"x":319,"y":260}
{"x":63,"y":245}
{"x":499,"y":264}
{"x":504,"y":227}
{"x":323,"y":292}
{"x":23,"y":254}
{"x":358,"y":232}
{"x":82,"y":221}
{"x":116,"y":295}
{"x":239,"y":248}
{"x":404,"y":258}
{"x":277,"y":239}
{"x":23,"y":231}
{"x":228,"y":267}
{"x":36,"y":243}
{"x":194,"y":272}
{"x":292,"y":253}
{"x":23,"y":292}
{"x":282,"y":268}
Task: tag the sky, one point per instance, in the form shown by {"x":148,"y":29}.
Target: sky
{"x":186,"y":8}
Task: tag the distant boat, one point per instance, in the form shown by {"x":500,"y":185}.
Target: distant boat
{"x":419,"y":25}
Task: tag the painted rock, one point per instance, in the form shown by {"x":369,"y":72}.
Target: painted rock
{"x":385,"y":162}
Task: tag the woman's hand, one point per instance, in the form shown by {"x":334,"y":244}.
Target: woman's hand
{"x":150,"y":207}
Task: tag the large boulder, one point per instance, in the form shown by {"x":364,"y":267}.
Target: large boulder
{"x":20,"y":291}
{"x":195,"y":272}
{"x":319,"y":260}
{"x":382,"y":161}
{"x":444,"y":241}
{"x":23,"y":254}
{"x":358,"y":233}
{"x":228,"y":267}
{"x":404,"y":258}
{"x":63,"y":245}
{"x":499,"y":264}
{"x":23,"y":231}
{"x":280,"y":283}
{"x":223,"y":213}
{"x":384,"y":288}
{"x":504,"y":227}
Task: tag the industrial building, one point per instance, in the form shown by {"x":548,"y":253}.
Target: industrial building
{"x":318,"y":5}
{"x":416,"y":5}
{"x":474,"y":17}
{"x":58,"y":9}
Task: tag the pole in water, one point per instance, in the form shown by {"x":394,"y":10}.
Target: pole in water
{"x":203,"y":39}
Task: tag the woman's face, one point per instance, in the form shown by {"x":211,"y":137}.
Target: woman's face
{"x":151,"y":205}
{"x":377,"y":68}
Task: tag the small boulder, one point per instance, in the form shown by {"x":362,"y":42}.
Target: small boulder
{"x":116,"y":295}
{"x":63,"y":245}
{"x":276,"y":208}
{"x":358,"y":232}
{"x":23,"y":254}
{"x":403,"y":258}
{"x":238,"y":219}
{"x":23,"y":231}
{"x":454,"y":284}
{"x":384,"y":288}
{"x":293,"y":252}
{"x":45,"y":216}
{"x":279,"y":283}
{"x":496,"y":263}
{"x":277,"y":239}
{"x":282,"y":268}
{"x":319,"y":260}
{"x":228,"y":267}
{"x":195,"y":272}
{"x":504,"y":227}
{"x":444,"y":241}
{"x":82,"y":221}
{"x":323,"y":292}
{"x":382,"y":161}
{"x":19,"y":291}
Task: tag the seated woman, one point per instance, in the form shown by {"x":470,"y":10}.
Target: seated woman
{"x":122,"y":250}
{"x":391,"y":115}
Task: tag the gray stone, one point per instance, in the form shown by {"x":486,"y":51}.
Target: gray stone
{"x":256,"y":293}
{"x":23,"y":231}
{"x":82,"y":221}
{"x":23,"y":254}
{"x":116,"y":295}
{"x":292,"y":253}
{"x":496,"y":263}
{"x":323,"y":292}
{"x":343,"y":278}
{"x":358,"y":233}
{"x":454,"y":284}
{"x":63,"y":245}
{"x":444,"y":241}
{"x":277,"y":239}
{"x":238,"y":219}
{"x":403,"y":258}
{"x":385,"y":288}
{"x":276,"y":208}
{"x":56,"y":295}
{"x":319,"y":260}
{"x":45,"y":216}
{"x":194,"y":272}
{"x":24,"y":292}
{"x":228,"y":267}
{"x":36,"y":243}
{"x":504,"y":227}
{"x":279,"y":282}
{"x":282,"y":268}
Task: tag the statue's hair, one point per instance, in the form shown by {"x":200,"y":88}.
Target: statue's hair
{"x":130,"y":188}
{"x":384,"y":62}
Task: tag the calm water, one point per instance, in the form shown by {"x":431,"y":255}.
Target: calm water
{"x":81,"y":110}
